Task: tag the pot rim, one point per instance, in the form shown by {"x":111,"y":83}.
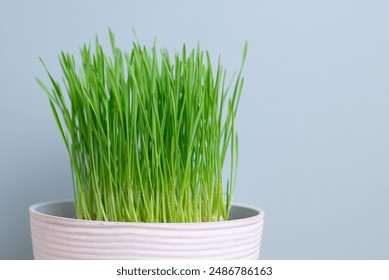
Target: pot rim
{"x":33,"y":209}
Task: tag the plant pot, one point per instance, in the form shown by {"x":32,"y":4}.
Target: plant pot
{"x":57,"y":234}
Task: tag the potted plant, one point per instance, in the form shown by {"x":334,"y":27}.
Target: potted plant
{"x":147,"y":136}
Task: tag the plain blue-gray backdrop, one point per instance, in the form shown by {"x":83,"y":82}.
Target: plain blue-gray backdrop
{"x":313,"y":120}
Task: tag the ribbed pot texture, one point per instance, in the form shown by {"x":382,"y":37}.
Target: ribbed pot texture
{"x":56,"y":234}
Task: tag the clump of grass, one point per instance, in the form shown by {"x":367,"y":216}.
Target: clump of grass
{"x":148,"y":134}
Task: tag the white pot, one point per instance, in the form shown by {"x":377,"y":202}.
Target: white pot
{"x":56,"y":234}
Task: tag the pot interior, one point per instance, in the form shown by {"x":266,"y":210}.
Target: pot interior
{"x":241,"y":212}
{"x":64,"y":209}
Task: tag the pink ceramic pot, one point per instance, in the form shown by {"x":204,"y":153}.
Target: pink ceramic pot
{"x":56,"y":234}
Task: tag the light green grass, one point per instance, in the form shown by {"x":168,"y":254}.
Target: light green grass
{"x":148,"y":134}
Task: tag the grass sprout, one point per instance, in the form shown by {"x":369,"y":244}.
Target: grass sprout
{"x":148,"y":134}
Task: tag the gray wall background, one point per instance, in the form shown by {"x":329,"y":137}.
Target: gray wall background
{"x":313,"y":119}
